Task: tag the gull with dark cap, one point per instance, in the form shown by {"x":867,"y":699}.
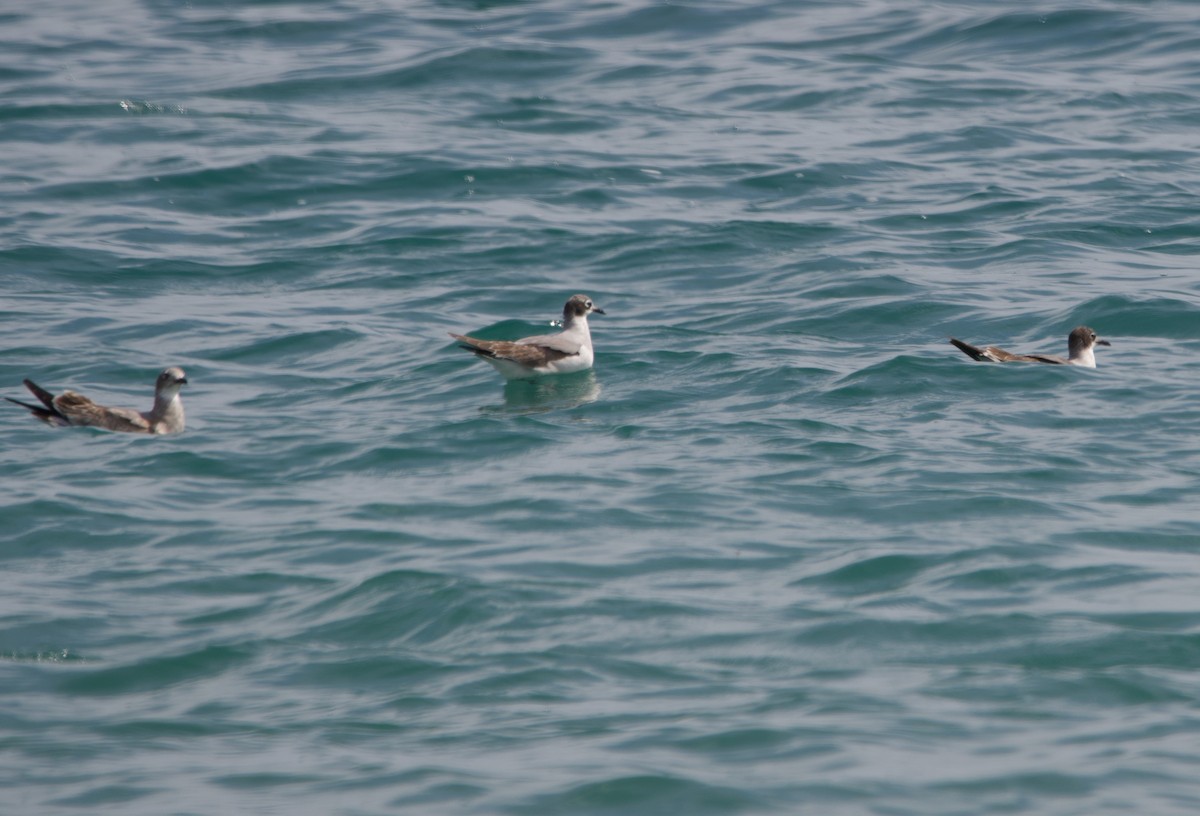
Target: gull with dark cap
{"x":69,"y":408}
{"x":564,"y":353}
{"x":1081,"y":344}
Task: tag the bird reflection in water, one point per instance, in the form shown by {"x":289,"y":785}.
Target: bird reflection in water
{"x":549,"y":393}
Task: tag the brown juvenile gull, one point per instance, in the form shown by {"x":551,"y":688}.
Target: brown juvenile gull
{"x":564,"y":353}
{"x":69,"y":408}
{"x":1081,"y":343}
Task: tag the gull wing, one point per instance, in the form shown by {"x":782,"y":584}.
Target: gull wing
{"x":79,"y":410}
{"x":557,"y":342}
{"x":524,"y":352}
{"x":1049,"y":359}
{"x":992,"y":354}
{"x":999,"y":355}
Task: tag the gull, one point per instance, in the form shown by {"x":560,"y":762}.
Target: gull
{"x":564,"y":353}
{"x":1081,"y":343}
{"x":69,"y":408}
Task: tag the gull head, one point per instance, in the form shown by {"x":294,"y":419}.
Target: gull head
{"x":1082,"y":339}
{"x":580,"y":306}
{"x":170,"y":380}
{"x":1081,"y":342}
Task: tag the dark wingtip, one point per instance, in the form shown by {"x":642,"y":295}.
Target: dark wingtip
{"x":967,"y":349}
{"x":49,"y":416}
{"x":42,"y":394}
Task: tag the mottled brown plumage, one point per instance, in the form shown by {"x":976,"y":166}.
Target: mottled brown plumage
{"x":70,"y":408}
{"x":1080,"y":345}
{"x":566,"y":352}
{"x":521,"y":352}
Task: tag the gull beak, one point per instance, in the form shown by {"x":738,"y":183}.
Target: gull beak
{"x":1103,"y":343}
{"x":597,"y":310}
{"x":182,"y":381}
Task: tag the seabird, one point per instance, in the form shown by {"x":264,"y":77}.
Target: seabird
{"x":69,"y":408}
{"x":1081,"y":343}
{"x":564,"y":353}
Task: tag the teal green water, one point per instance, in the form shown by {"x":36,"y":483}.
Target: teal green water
{"x":784,"y":550}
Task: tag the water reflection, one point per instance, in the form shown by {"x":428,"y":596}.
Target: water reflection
{"x":549,"y":393}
